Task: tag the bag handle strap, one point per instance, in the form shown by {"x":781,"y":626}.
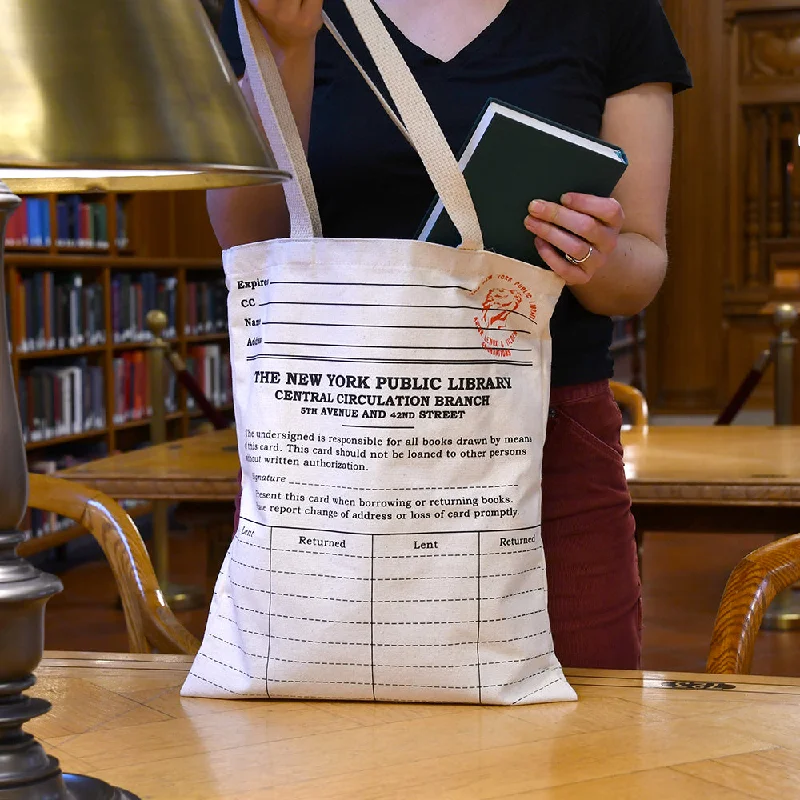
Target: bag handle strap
{"x":420,"y":123}
{"x":334,"y":31}
{"x":279,"y":125}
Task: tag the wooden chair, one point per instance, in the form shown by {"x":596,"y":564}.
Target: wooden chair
{"x":152,"y":627}
{"x":751,"y":587}
{"x":630,"y":399}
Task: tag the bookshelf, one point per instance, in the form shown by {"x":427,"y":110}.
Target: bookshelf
{"x":627,"y":350}
{"x":81,"y":274}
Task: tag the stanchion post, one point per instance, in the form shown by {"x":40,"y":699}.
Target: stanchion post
{"x":783,"y":347}
{"x":180,"y":598}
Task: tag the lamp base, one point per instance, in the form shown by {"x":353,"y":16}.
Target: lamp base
{"x":66,"y":787}
{"x":26,"y":771}
{"x":81,"y":787}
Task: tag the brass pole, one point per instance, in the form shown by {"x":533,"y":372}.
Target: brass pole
{"x":180,"y":598}
{"x":157,"y":321}
{"x":783,"y":345}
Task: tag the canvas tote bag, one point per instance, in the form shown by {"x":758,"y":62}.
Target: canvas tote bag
{"x":391,"y":400}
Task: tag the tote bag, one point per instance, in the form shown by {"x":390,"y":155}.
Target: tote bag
{"x":391,"y":401}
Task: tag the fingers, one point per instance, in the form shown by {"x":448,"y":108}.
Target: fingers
{"x":575,"y":246}
{"x":606,"y":209}
{"x":583,"y":227}
{"x":570,"y":273}
{"x":546,"y":219}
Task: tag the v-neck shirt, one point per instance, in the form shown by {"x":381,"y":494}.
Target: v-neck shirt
{"x":560,"y":59}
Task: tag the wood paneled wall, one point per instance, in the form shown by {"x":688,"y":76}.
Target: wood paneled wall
{"x":734,"y":221}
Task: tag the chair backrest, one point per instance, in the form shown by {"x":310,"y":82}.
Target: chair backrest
{"x":630,"y":399}
{"x":751,"y":587}
{"x":152,"y":627}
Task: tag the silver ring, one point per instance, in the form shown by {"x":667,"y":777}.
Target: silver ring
{"x":579,"y":260}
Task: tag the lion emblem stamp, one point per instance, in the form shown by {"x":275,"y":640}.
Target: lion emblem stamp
{"x":505,"y":303}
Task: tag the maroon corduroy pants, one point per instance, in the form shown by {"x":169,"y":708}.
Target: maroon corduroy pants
{"x":588,"y":532}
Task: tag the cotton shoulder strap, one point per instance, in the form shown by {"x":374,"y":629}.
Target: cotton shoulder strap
{"x":417,"y":117}
{"x":279,"y":125}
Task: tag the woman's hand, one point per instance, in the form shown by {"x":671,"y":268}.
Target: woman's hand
{"x":289,"y":23}
{"x":584,"y":227}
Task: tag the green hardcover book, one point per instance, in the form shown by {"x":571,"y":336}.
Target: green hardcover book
{"x":513,"y":157}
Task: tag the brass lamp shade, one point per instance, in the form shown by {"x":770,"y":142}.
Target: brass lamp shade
{"x":94,"y":92}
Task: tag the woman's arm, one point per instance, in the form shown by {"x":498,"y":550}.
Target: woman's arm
{"x":256,"y":213}
{"x":628,"y":231}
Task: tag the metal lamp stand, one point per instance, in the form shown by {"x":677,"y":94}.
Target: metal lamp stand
{"x":26,"y":771}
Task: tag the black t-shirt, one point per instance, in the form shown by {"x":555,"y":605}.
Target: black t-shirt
{"x":560,"y":59}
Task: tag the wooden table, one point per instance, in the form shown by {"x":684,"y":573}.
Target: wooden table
{"x":659,"y":736}
{"x":715,"y":478}
{"x":731,"y":478}
{"x":202,"y":468}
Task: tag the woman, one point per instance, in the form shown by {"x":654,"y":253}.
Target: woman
{"x":606,"y":67}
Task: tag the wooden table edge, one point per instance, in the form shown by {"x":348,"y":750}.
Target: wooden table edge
{"x":645,"y":679}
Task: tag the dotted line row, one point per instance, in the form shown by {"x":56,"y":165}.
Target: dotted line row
{"x":404,"y":622}
{"x":402,"y":488}
{"x":412,"y":685}
{"x":536,"y":691}
{"x":227,"y":691}
{"x":421,"y":555}
{"x":369,"y":600}
{"x":468,"y":665}
{"x":470,"y":643}
{"x":378,"y":578}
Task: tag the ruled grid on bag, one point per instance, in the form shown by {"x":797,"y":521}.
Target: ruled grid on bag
{"x":361,"y":621}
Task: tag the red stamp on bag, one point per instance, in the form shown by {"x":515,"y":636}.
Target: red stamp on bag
{"x":505,"y":302}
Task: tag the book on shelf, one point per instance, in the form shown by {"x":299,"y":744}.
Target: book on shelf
{"x":132,"y":388}
{"x":133,"y":295}
{"x":61,"y":400}
{"x":81,"y":222}
{"x":206,"y":307}
{"x":210,"y":366}
{"x":122,"y":240}
{"x":29,"y":225}
{"x":57,"y":311}
{"x":513,"y":157}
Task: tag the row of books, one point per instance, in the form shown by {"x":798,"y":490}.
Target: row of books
{"x":132,"y":388}
{"x":80,"y":222}
{"x":29,"y":225}
{"x":133,"y":295}
{"x":61,"y":401}
{"x":210,"y":365}
{"x":206,"y":307}
{"x":69,"y":399}
{"x":56,"y":311}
